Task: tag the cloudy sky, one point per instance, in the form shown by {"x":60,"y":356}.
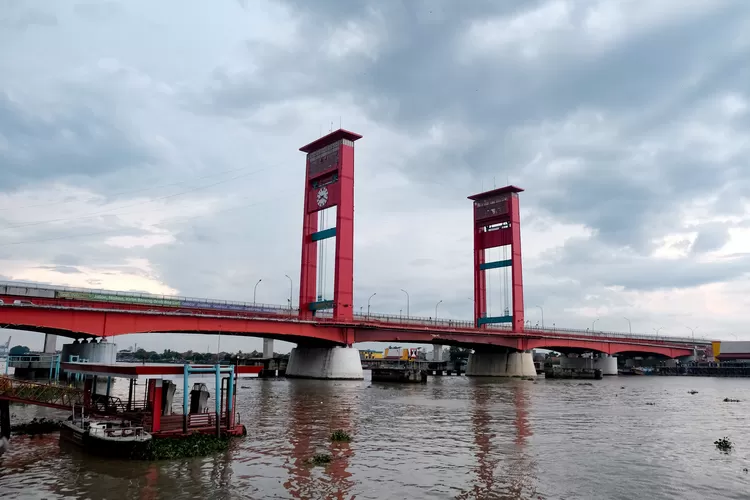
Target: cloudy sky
{"x":154,"y":146}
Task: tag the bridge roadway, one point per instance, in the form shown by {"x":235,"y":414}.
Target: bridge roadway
{"x":81,"y":313}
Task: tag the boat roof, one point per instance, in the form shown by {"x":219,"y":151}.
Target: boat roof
{"x":141,"y":371}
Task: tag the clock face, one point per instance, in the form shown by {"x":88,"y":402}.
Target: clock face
{"x":322,"y":196}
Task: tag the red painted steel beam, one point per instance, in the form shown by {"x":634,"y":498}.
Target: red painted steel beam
{"x":98,"y":319}
{"x":103,"y":323}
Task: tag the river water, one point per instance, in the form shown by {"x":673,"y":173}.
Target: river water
{"x":454,"y":437}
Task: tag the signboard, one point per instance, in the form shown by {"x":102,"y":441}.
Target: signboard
{"x":491,"y":207}
{"x":323,"y":160}
{"x":119,"y":298}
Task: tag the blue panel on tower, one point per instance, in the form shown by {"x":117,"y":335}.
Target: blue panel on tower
{"x":324,"y":234}
{"x":495,"y":319}
{"x":321,"y":304}
{"x":494,"y":265}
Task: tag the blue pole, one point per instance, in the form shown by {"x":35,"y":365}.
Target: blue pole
{"x":217,"y":397}
{"x":218,"y":389}
{"x":57,"y":367}
{"x":185,"y":395}
{"x":7,"y":362}
{"x":230,"y":390}
{"x":51,"y":366}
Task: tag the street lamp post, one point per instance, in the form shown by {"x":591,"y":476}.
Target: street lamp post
{"x":593,"y":323}
{"x":436,"y":306}
{"x":630,"y":328}
{"x":407,"y":302}
{"x":692,"y":330}
{"x":542,"y":309}
{"x":368,"y":304}
{"x":291,"y":291}
{"x":657,"y":330}
{"x":255,"y":289}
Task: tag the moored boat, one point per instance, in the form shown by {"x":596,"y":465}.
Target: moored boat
{"x":106,"y":438}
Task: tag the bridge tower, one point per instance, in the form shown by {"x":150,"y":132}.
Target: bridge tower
{"x":329,"y":182}
{"x":497,"y":223}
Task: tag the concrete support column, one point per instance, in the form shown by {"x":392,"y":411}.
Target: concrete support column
{"x":437,"y":353}
{"x":267,"y":348}
{"x":332,"y":363}
{"x":50,"y":343}
{"x":500,"y":364}
{"x":606,"y":363}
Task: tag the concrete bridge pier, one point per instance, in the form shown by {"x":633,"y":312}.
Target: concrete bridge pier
{"x":500,"y":364}
{"x":604,"y":362}
{"x":50,"y":344}
{"x":267,"y":348}
{"x":437,"y":353}
{"x":329,"y":363}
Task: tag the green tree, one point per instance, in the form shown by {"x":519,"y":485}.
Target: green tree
{"x":457,"y":353}
{"x":18,"y":350}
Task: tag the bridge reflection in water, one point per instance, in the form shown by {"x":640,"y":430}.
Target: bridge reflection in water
{"x":315,"y":411}
{"x":504,"y":469}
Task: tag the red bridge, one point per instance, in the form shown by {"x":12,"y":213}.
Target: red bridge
{"x":320,"y":324}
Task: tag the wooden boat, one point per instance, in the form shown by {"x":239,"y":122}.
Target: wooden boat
{"x":106,"y":438}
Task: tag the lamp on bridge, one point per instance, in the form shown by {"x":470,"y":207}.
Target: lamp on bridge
{"x":368,"y":304}
{"x":497,"y":223}
{"x":255,"y":290}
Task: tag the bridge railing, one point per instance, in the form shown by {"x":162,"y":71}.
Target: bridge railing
{"x":98,"y":294}
{"x":285,"y":311}
{"x":450,"y":324}
{"x":604,"y":333}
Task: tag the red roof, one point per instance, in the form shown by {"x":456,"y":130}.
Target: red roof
{"x":148,"y":370}
{"x":330,"y":139}
{"x":495,"y":192}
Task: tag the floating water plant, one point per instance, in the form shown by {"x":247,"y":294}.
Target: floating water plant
{"x":320,"y":459}
{"x":340,"y":436}
{"x":723,"y":444}
{"x":36,"y":426}
{"x":692,"y":392}
{"x":730,"y":400}
{"x":194,"y":445}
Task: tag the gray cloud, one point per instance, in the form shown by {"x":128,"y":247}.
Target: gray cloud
{"x":62,"y":269}
{"x":41,"y":144}
{"x":710,"y":238}
{"x":17,"y":18}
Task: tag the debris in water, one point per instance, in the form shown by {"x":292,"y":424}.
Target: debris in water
{"x":723,"y":444}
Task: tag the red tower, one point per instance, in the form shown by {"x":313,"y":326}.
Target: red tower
{"x":497,"y":223}
{"x":329,"y":182}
